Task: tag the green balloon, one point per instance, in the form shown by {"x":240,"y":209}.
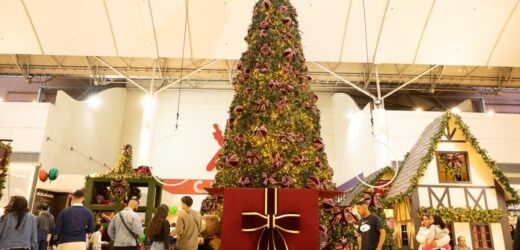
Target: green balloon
{"x":173,"y":209}
{"x":142,"y":237}
{"x":53,"y":174}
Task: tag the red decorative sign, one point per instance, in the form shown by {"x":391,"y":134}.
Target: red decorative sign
{"x":194,"y":187}
{"x":220,"y":140}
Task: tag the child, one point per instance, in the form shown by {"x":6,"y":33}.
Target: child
{"x":95,"y":238}
{"x":437,"y":231}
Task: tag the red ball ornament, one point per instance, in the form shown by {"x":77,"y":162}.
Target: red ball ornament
{"x":43,"y":175}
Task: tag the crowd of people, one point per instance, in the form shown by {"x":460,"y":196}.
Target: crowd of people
{"x":75,"y":228}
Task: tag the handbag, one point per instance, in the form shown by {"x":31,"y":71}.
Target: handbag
{"x":139,"y":245}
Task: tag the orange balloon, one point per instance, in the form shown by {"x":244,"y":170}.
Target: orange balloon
{"x":43,"y":175}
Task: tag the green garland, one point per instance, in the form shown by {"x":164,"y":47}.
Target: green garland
{"x":425,"y":161}
{"x":428,"y":157}
{"x":490,"y":163}
{"x":5,"y":157}
{"x":459,"y":214}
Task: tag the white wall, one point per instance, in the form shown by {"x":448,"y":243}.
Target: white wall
{"x":25,"y":124}
{"x":94,"y":132}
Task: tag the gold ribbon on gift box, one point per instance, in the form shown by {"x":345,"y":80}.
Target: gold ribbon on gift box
{"x":270,"y":223}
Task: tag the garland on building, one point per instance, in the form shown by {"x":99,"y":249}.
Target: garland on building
{"x":5,"y":157}
{"x":459,"y":214}
{"x":490,"y":163}
{"x":428,"y":157}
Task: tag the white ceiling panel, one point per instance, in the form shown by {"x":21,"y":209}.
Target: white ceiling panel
{"x":78,"y":27}
{"x":463,"y":32}
{"x":402,"y":29}
{"x":218,"y":28}
{"x":169,"y":17}
{"x":507,"y":52}
{"x":132,"y":27}
{"x":323,"y":28}
{"x":355,"y":46}
{"x":16,"y":34}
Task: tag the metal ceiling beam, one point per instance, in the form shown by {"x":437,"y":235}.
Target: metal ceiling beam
{"x":437,"y":79}
{"x":33,"y":27}
{"x":120,"y":73}
{"x":346,"y":81}
{"x":187,"y":76}
{"x":426,"y":23}
{"x":410,"y":82}
{"x":502,"y":32}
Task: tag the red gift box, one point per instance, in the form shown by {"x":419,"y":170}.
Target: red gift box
{"x":261,"y":219}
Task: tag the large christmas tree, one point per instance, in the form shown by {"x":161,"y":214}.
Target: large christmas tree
{"x":273,"y":137}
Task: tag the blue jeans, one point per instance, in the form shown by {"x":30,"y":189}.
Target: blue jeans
{"x":42,"y":241}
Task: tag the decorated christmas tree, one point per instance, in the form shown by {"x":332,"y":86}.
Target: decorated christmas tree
{"x":5,"y":155}
{"x":272,"y":137}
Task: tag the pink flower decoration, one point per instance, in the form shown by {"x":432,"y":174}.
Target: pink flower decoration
{"x":244,"y":181}
{"x":286,"y":181}
{"x":265,"y":50}
{"x":263,"y":33}
{"x":282,"y":104}
{"x":239,"y":139}
{"x":260,"y":131}
{"x":232,"y":159}
{"x":299,"y":160}
{"x":300,"y":138}
{"x":262,"y":104}
{"x":283,"y":9}
{"x":252,"y":158}
{"x":287,"y":68}
{"x":313,"y":182}
{"x":268,"y":179}
{"x":288,"y":53}
{"x":267,"y":4}
{"x":318,"y":145}
{"x":278,"y":160}
{"x":239,"y":109}
{"x":264,"y":24}
{"x":287,"y":21}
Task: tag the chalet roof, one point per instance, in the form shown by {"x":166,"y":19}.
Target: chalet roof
{"x":423,"y":152}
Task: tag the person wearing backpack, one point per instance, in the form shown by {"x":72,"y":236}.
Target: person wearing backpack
{"x":125,"y":228}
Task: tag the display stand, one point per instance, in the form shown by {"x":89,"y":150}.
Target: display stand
{"x":153,"y":196}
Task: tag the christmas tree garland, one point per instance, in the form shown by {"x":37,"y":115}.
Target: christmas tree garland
{"x":471,"y":215}
{"x":5,"y":157}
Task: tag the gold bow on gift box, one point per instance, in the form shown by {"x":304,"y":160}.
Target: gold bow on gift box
{"x":270,"y":223}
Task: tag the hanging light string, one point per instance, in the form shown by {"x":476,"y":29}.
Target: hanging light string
{"x":72,"y":149}
{"x":182,"y":65}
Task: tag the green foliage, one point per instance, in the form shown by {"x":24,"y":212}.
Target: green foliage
{"x":5,"y":157}
{"x":459,"y":214}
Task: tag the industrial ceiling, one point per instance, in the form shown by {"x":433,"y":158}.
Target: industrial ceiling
{"x":471,"y":43}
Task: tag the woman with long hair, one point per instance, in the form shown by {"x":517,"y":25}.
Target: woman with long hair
{"x":436,"y":232}
{"x":159,"y":229}
{"x":18,"y":227}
